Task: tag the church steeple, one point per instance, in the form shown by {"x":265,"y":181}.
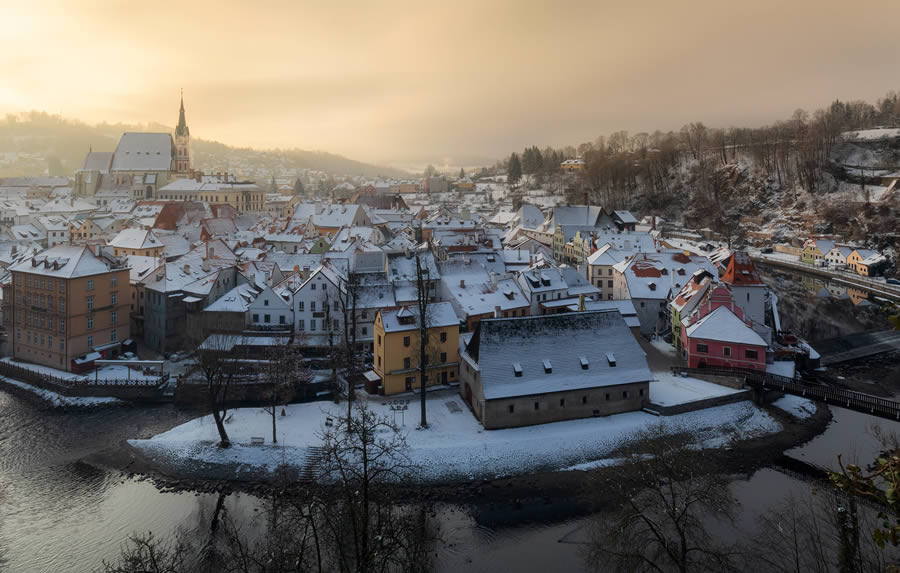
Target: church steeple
{"x":182,"y":128}
{"x":182,"y":144}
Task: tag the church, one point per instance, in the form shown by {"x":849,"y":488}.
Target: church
{"x":141,"y":165}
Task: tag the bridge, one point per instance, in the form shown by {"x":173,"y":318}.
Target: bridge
{"x":840,"y":397}
{"x":859,"y":345}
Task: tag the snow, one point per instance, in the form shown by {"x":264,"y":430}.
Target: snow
{"x":781,"y":368}
{"x":110,"y":372}
{"x":664,"y":347}
{"x":60,"y":400}
{"x":454,"y":447}
{"x":669,"y":389}
{"x":722,"y":325}
{"x":796,"y":406}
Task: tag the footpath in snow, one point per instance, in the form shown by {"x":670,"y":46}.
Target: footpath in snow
{"x":454,"y":448}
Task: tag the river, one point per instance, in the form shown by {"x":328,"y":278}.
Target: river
{"x":58,"y":513}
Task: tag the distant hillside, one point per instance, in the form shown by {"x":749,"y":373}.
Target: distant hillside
{"x":37,"y":143}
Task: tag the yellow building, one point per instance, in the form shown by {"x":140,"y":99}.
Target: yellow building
{"x":397,"y":343}
{"x":572,"y":165}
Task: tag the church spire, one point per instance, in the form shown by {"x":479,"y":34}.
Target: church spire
{"x":182,"y":128}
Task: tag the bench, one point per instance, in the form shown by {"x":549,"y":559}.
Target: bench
{"x":257,"y":441}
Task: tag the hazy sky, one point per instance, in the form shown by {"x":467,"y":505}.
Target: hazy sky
{"x":421,"y":81}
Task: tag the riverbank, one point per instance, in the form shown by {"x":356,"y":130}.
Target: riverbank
{"x":54,"y":399}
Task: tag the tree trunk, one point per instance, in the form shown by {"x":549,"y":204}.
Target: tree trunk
{"x":224,"y":442}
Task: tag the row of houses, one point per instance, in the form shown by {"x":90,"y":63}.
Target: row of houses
{"x":823,"y":250}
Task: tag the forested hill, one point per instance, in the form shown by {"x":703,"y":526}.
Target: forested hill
{"x":37,"y":143}
{"x":825,"y":171}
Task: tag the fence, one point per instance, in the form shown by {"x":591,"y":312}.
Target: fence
{"x":85,"y":386}
{"x":881,"y":407}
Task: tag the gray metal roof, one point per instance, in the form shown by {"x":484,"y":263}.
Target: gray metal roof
{"x":144,"y":152}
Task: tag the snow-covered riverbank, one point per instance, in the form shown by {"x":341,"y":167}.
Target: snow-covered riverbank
{"x":454,"y":448}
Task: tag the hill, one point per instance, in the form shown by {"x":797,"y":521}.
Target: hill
{"x":37,"y":143}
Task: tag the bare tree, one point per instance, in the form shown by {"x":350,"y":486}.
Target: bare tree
{"x":220,"y":367}
{"x":283,"y":372}
{"x":148,"y":554}
{"x":667,"y":492}
{"x":423,"y":288}
{"x":348,"y":295}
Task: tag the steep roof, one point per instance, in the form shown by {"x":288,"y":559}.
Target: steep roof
{"x":63,"y":261}
{"x":144,"y":152}
{"x":741,"y":271}
{"x":721,"y":325}
{"x":565,"y":343}
{"x":97,"y":161}
{"x":135,"y":239}
{"x":439,"y":315}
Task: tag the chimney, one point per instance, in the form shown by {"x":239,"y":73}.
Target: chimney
{"x":187,"y":268}
{"x":496,"y":312}
{"x":462,"y":283}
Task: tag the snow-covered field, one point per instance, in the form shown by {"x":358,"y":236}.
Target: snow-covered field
{"x":798,"y":407}
{"x":668,"y":389}
{"x":455,"y":447}
{"x":60,"y":400}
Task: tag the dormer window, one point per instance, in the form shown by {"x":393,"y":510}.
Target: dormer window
{"x":652,"y":286}
{"x":611,"y":359}
{"x":548,"y":367}
{"x":584,"y":362}
{"x":517,"y":369}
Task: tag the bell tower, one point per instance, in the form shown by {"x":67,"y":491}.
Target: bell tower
{"x":182,"y":143}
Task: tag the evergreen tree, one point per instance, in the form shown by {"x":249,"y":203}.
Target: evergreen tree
{"x":298,"y":187}
{"x":462,"y":173}
{"x":514,"y":170}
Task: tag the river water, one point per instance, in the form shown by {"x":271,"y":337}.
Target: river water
{"x":58,"y":513}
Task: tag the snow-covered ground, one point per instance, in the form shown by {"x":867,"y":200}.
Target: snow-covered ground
{"x":664,"y":347}
{"x":455,"y":447}
{"x":60,"y":400}
{"x":781,"y":368}
{"x":668,"y":389}
{"x":800,"y":408}
{"x":109,"y":372}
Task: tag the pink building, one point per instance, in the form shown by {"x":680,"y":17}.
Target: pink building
{"x":721,"y":338}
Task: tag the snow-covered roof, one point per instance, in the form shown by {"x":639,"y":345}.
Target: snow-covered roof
{"x":63,"y":261}
{"x":565,"y":342}
{"x":237,"y":299}
{"x":97,"y":161}
{"x":438,"y":315}
{"x":135,"y":239}
{"x":722,"y":325}
{"x":144,"y":152}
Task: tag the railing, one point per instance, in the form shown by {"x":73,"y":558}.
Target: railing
{"x":28,"y":375}
{"x":849,"y":399}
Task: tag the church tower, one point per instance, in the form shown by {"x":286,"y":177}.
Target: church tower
{"x":182,"y":144}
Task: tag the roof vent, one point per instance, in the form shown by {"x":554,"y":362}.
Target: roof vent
{"x":584,"y":362}
{"x":611,"y":358}
{"x":548,"y":367}
{"x":652,"y":286}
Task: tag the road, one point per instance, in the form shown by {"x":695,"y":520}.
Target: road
{"x":860,"y":345}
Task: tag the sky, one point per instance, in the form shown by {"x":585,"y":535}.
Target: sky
{"x":400,"y":82}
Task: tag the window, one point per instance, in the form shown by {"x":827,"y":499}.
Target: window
{"x":641,"y":391}
{"x":113,"y":335}
{"x":702,"y":348}
{"x":62,"y":305}
{"x":584,"y":399}
{"x":50,"y":342}
{"x":517,"y":369}
{"x":405,"y":341}
{"x":266,"y":302}
{"x":312,"y":306}
{"x":365,"y":330}
{"x":443,"y":357}
{"x":113,"y":281}
{"x":548,"y":367}
{"x":62,"y":325}
{"x":726,"y":351}
{"x":281,"y":319}
{"x":443,"y":337}
{"x":336,"y":324}
{"x":90,"y":285}
{"x":642,"y":304}
{"x":113,"y":317}
{"x":313,"y":286}
{"x":90,"y":322}
{"x":42,"y":340}
{"x":379,"y":340}
{"x":28,"y":282}
{"x":267,"y":318}
{"x":609,"y":284}
{"x":62,"y":345}
{"x":300,"y":306}
{"x":90,"y":303}
{"x":114,"y":298}
{"x":751,"y":354}
{"x":62,"y":286}
{"x":312,"y":324}
{"x":511,"y":408}
{"x":562,"y":402}
{"x":300,"y":324}
{"x":537,"y":405}
{"x":625,"y":393}
{"x":607,"y":396}
{"x":336,"y":306}
{"x":365,"y":315}
{"x":90,"y":341}
{"x":255,"y":318}
{"x":406,"y":363}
